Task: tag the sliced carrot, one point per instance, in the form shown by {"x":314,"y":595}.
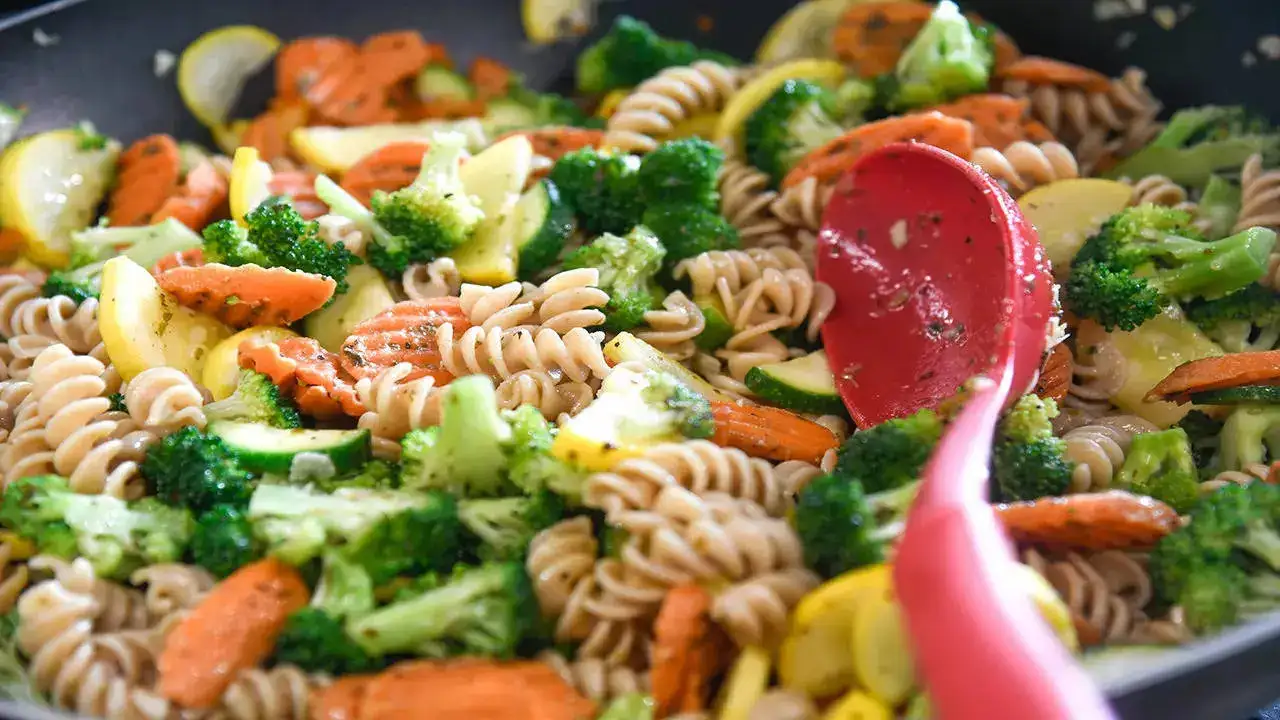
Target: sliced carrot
{"x":1047,"y":71}
{"x":183,"y":258}
{"x":872,"y":36}
{"x":768,"y":432}
{"x":555,"y":142}
{"x":234,"y":628}
{"x":473,"y":688}
{"x":682,"y":652}
{"x":1113,"y":520}
{"x":300,"y":63}
{"x":342,"y":699}
{"x":200,"y":200}
{"x":490,"y":78}
{"x":438,"y":54}
{"x":1215,"y":373}
{"x":248,"y":295}
{"x":313,"y":375}
{"x":300,"y":186}
{"x":388,"y":168}
{"x":404,"y":332}
{"x":830,"y":161}
{"x":269,"y":132}
{"x":346,"y":95}
{"x":1055,"y":374}
{"x":390,"y":57}
{"x":148,"y":173}
{"x":998,"y":120}
{"x":11,"y":242}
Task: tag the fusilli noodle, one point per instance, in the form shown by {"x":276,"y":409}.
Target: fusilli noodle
{"x":781,"y":704}
{"x":164,"y":399}
{"x":1260,"y":203}
{"x":736,"y":268}
{"x":438,"y":278}
{"x":172,"y":587}
{"x":1023,"y":166}
{"x":755,"y":612}
{"x":1098,"y":450}
{"x":595,"y":679}
{"x":802,"y":205}
{"x":1250,"y":473}
{"x":674,"y":328}
{"x":281,"y":693}
{"x":745,"y":198}
{"x":544,"y":391}
{"x":651,"y":112}
{"x":500,"y":353}
{"x":1098,"y":372}
{"x":338,"y":230}
{"x":394,"y":407}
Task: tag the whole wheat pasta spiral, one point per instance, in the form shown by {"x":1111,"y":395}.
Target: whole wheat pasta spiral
{"x":172,"y":587}
{"x":438,"y":278}
{"x":164,"y":399}
{"x":795,"y":475}
{"x":394,"y":407}
{"x":15,"y":291}
{"x":12,"y":393}
{"x":596,"y":680}
{"x":560,"y":558}
{"x":338,"y":230}
{"x":60,"y":318}
{"x":802,"y":205}
{"x":544,"y":391}
{"x":1072,"y":113}
{"x":779,"y":704}
{"x":651,"y":112}
{"x":755,"y":612}
{"x":674,"y":328}
{"x":500,"y":354}
{"x":1023,"y":166}
{"x":1098,"y":450}
{"x":1098,"y":373}
{"x":496,"y":307}
{"x":6,"y":359}
{"x":1259,"y":196}
{"x":281,"y":693}
{"x":569,"y":300}
{"x":790,"y":295}
{"x":745,"y":197}
{"x":23,"y":350}
{"x":712,"y":369}
{"x":1160,"y":190}
{"x":728,"y":271}
{"x":754,"y":346}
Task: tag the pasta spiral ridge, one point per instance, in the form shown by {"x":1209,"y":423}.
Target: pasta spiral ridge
{"x":281,"y":693}
{"x":755,"y":612}
{"x":172,"y":587}
{"x":1098,"y":450}
{"x":651,"y":112}
{"x":552,"y":396}
{"x":1023,"y":166}
{"x":1160,"y":190}
{"x":782,"y":299}
{"x":595,"y":679}
{"x":165,"y":399}
{"x":802,"y":205}
{"x":674,"y":328}
{"x":438,"y":278}
{"x":736,"y":268}
{"x":23,"y":350}
{"x":1253,"y":472}
{"x":59,"y":318}
{"x":1259,"y":196}
{"x":338,"y":230}
{"x":12,"y":393}
{"x":394,"y":407}
{"x":1098,"y":372}
{"x":578,"y":354}
{"x":566,"y":301}
{"x":745,"y":199}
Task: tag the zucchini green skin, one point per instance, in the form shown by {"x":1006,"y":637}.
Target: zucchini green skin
{"x":266,"y":449}
{"x":1267,"y":394}
{"x":439,"y":82}
{"x":718,"y":329}
{"x":542,"y":245}
{"x":804,"y":384}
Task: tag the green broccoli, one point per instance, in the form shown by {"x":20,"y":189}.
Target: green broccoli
{"x":464,"y":453}
{"x":546,"y":108}
{"x":533,"y":467}
{"x":603,"y":189}
{"x":501,"y":528}
{"x":890,"y":454}
{"x":345,"y":590}
{"x":627,"y":268}
{"x":1247,"y":319}
{"x":1160,"y":464}
{"x":431,"y":216}
{"x":632,"y":706}
{"x":689,"y":229}
{"x":948,"y":58}
{"x":387,"y":532}
{"x":681,"y":171}
{"x":1027,"y":459}
{"x":1220,"y":206}
{"x":1250,"y":435}
{"x":115,"y":536}
{"x":91,"y":248}
{"x":317,"y":642}
{"x":256,"y":399}
{"x":630,"y":53}
{"x":277,"y":236}
{"x":192,"y":469}
{"x":842,"y":528}
{"x":223,"y":541}
{"x":484,"y":610}
{"x":373,"y":475}
{"x":1145,"y":256}
{"x":798,"y":118}
{"x":1198,"y":142}
{"x":117,"y":402}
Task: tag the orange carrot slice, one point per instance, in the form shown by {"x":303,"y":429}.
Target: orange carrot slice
{"x":148,"y":174}
{"x":682,"y":652}
{"x":830,"y":161}
{"x":11,"y":242}
{"x":1047,"y":71}
{"x":1216,"y":373}
{"x":183,"y":258}
{"x":390,"y":57}
{"x":234,"y":628}
{"x":313,"y":375}
{"x":300,"y":63}
{"x":388,"y":168}
{"x":300,"y":186}
{"x":490,"y":78}
{"x":872,"y":36}
{"x":201,"y":199}
{"x":341,"y":700}
{"x":1113,"y":520}
{"x":998,"y":120}
{"x":269,"y":132}
{"x":557,"y":141}
{"x":471,"y":688}
{"x":404,"y":332}
{"x":1055,"y":374}
{"x":346,"y":95}
{"x":768,"y":432}
{"x":249,"y":294}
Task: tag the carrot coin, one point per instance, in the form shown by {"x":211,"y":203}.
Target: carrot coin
{"x":200,"y":200}
{"x":998,"y":120}
{"x":404,"y":332}
{"x":490,"y":78}
{"x":1055,"y":375}
{"x":183,"y":258}
{"x":346,"y":95}
{"x":388,"y":168}
{"x":391,"y":57}
{"x":269,"y":132}
{"x":148,"y":174}
{"x":299,"y":366}
{"x":1113,"y":520}
{"x":303,"y":61}
{"x":1047,"y":71}
{"x":872,"y":36}
{"x":248,"y":295}
{"x":830,"y":161}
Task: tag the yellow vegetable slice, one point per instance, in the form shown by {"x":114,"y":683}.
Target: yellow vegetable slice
{"x":747,"y":682}
{"x":248,"y":185}
{"x":223,"y":363}
{"x":1150,"y":353}
{"x":495,"y":178}
{"x":881,"y":653}
{"x":1065,"y":213}
{"x":145,"y":327}
{"x":548,"y":21}
{"x":858,"y":705}
{"x":703,"y":126}
{"x":814,"y":658}
{"x":1050,"y":604}
{"x":368,"y":296}
{"x":50,"y":188}
{"x":214,"y":69}
{"x":611,"y":101}
{"x":227,"y":137}
{"x":753,"y":94}
{"x":336,"y":149}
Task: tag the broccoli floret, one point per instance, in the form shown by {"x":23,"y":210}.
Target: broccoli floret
{"x":547,"y":108}
{"x":681,"y":171}
{"x":115,"y":536}
{"x":945,"y":60}
{"x":277,"y":236}
{"x":890,"y":454}
{"x":483,"y":611}
{"x":690,"y":411}
{"x":842,"y":528}
{"x":1027,"y":460}
{"x":1029,"y":419}
{"x":1250,"y":435}
{"x":431,"y":216}
{"x":91,"y":248}
{"x":502,"y":528}
{"x":1198,"y":142}
{"x":223,"y":541}
{"x":117,"y":402}
{"x":315,"y":641}
{"x":1160,"y":464}
{"x":1145,"y":256}
{"x":688,"y":229}
{"x":464,"y":453}
{"x":630,"y":53}
{"x":1247,"y":319}
{"x":373,"y":475}
{"x":1203,"y":432}
{"x":603,"y":189}
{"x":196,"y":470}
{"x":387,"y":532}
{"x":1220,"y":206}
{"x":799,"y":117}
{"x":627,"y":268}
{"x":533,"y":467}
{"x":345,"y":590}
{"x":79,"y":285}
{"x":256,"y":399}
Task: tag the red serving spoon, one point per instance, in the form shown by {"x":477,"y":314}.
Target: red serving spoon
{"x":939,"y":279}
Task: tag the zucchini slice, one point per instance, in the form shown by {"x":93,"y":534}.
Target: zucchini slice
{"x":545,"y":224}
{"x":271,"y":450}
{"x":1264,"y":394}
{"x":804,"y":384}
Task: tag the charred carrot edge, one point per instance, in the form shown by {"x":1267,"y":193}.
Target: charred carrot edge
{"x":1047,"y":71}
{"x":234,"y":628}
{"x":1216,"y":373}
{"x":269,"y":132}
{"x":200,"y":200}
{"x":1055,"y":375}
{"x":402,"y":333}
{"x":302,"y":61}
{"x":768,"y":432}
{"x":390,"y":57}
{"x":248,"y":295}
{"x":828,"y":162}
{"x":1036,"y":132}
{"x":388,"y":168}
{"x":998,"y":120}
{"x":490,"y":78}
{"x":182,"y":258}
{"x":312,"y":374}
{"x":148,"y":173}
{"x":682,"y":646}
{"x":872,"y":36}
{"x":554,"y":143}
{"x":1113,"y":520}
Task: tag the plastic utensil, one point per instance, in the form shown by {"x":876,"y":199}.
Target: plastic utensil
{"x":942,"y":280}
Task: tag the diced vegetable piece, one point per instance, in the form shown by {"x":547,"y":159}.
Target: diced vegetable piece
{"x":1067,"y":212}
{"x":626,"y":347}
{"x":545,"y":223}
{"x":814,"y":658}
{"x":249,"y":184}
{"x":1265,"y":394}
{"x":803,"y":384}
{"x":881,"y":653}
{"x":496,"y":178}
{"x":858,"y":705}
{"x":266,"y":449}
{"x":1152,"y":352}
{"x":752,"y":95}
{"x":748,"y":679}
{"x":439,"y":82}
{"x":222,"y":366}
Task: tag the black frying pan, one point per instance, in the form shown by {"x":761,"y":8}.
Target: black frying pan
{"x":101,"y":69}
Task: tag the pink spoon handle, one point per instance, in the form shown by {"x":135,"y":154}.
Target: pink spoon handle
{"x":982,"y":648}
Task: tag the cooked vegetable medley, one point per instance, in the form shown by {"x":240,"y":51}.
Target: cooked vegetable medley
{"x":426,"y":389}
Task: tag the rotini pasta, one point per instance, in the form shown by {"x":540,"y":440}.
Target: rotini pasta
{"x":596,"y":680}
{"x":281,"y":693}
{"x":1098,"y":373}
{"x":1098,"y":450}
{"x":652,"y":111}
{"x":745,"y":199}
{"x":566,"y":301}
{"x":164,"y":399}
{"x":1160,"y":190}
{"x":801,"y":205}
{"x":1024,"y":166}
{"x":394,"y":407}
{"x":500,"y":353}
{"x":783,"y":705}
{"x":58,"y":318}
{"x":1259,"y":196}
{"x":338,"y":230}
{"x":438,"y":278}
{"x":736,"y":268}
{"x":1252,"y":472}
{"x":755,"y":612}
{"x":552,"y":397}
{"x":172,"y":588}
{"x":674,"y":328}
